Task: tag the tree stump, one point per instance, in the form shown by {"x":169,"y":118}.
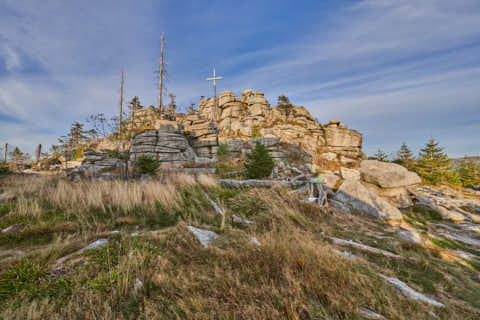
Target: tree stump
{"x":316,"y":190}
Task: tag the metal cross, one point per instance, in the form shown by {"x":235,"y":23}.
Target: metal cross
{"x":214,"y":79}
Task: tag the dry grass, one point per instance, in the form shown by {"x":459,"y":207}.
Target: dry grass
{"x":88,"y":194}
{"x":207,"y":181}
{"x":294,"y":274}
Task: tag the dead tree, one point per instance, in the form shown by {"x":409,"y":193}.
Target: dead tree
{"x":5,"y":152}
{"x":160,"y":82}
{"x":121,"y":105}
{"x":39,"y":153}
{"x":317,"y":191}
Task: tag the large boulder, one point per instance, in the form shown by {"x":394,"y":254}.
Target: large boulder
{"x":359,"y":198}
{"x":166,"y":146}
{"x":398,"y":197}
{"x":387,"y":175}
{"x":101,"y":162}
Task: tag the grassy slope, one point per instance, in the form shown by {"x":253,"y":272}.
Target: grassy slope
{"x":294,"y":274}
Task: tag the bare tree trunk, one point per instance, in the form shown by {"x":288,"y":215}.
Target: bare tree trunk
{"x":160,"y":82}
{"x":121,"y":106}
{"x":39,"y":152}
{"x":5,"y":152}
{"x":317,"y":191}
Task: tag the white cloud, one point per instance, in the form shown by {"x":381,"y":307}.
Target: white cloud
{"x":370,"y":63}
{"x":10,"y":57}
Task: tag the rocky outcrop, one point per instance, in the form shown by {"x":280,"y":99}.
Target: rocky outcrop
{"x":250,"y":116}
{"x":170,"y":143}
{"x":359,"y":198}
{"x":202,"y":134}
{"x":239,"y":147}
{"x":389,"y":180}
{"x":166,"y":145}
{"x":447,"y":208}
{"x":100,"y":162}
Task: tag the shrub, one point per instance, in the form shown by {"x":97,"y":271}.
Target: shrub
{"x":223,"y":150}
{"x":381,"y":155}
{"x":259,"y":162}
{"x":148,"y":165}
{"x":79,"y":153}
{"x":469,"y":173}
{"x":4,"y":169}
{"x":256,"y":132}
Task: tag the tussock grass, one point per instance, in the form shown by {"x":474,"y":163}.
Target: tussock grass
{"x":293,"y":274}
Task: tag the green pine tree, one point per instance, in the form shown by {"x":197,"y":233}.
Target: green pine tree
{"x":433,"y":164}
{"x":381,"y":155}
{"x":469,"y":174}
{"x":259,"y":162}
{"x":405,"y":156}
{"x":18,"y":157}
{"x":75,"y":137}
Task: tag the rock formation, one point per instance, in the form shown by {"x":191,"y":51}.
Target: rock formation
{"x":250,"y":116}
{"x":168,"y":143}
{"x":239,"y":122}
{"x":389,"y":180}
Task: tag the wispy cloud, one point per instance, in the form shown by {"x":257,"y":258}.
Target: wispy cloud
{"x":397,"y":70}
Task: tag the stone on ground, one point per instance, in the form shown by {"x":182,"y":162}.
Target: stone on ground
{"x":409,"y":293}
{"x":410,"y":236}
{"x":238,"y":219}
{"x":14,"y":228}
{"x":204,"y":236}
{"x":369,"y":314}
{"x":431,"y":203}
{"x":94,"y":245}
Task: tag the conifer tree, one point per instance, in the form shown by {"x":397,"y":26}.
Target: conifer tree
{"x":381,"y":155}
{"x":259,"y":162}
{"x":191,"y":109}
{"x":433,"y":164}
{"x":172,"y":106}
{"x":76,"y":136}
{"x":469,"y":173}
{"x":18,"y":157}
{"x":405,"y":156}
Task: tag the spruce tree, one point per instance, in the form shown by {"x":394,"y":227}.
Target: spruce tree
{"x":259,"y":162}
{"x":18,"y":157}
{"x":77,"y":136}
{"x":433,"y":164}
{"x":405,"y":156}
{"x":381,"y":155}
{"x":469,"y":173}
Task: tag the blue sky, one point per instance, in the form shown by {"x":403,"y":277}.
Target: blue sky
{"x":395,"y":70}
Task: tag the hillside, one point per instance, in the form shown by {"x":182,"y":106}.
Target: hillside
{"x":265,"y":253}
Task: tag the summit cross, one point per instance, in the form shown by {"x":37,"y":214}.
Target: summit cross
{"x":214,"y":79}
